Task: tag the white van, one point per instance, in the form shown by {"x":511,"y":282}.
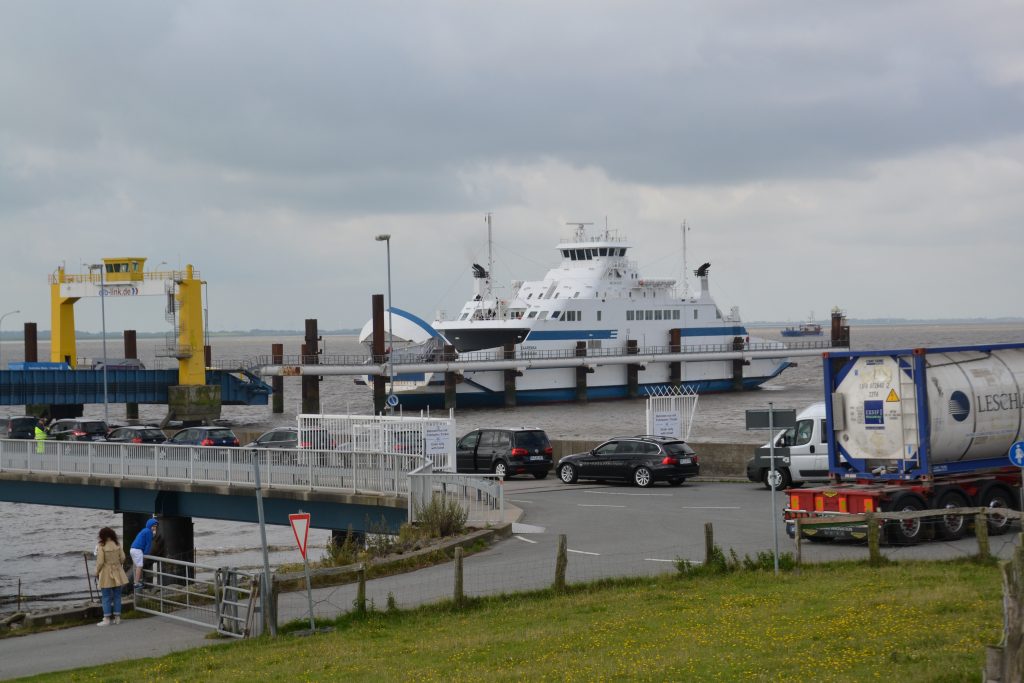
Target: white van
{"x":801,"y":452}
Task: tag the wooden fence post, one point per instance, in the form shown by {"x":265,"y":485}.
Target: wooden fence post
{"x":459,"y":596}
{"x":874,"y":556}
{"x":981,"y":531}
{"x":799,"y":543}
{"x":1006,"y":662}
{"x":361,"y":591}
{"x":709,"y":543}
{"x":561,"y":563}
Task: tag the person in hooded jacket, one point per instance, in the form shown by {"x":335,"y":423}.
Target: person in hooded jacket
{"x":110,"y":575}
{"x":142,"y":545}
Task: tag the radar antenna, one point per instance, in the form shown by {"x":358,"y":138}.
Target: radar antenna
{"x":580,"y":232}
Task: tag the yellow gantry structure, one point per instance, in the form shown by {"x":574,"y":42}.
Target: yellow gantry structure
{"x":127,"y":277}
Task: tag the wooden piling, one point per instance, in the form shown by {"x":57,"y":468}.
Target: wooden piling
{"x":675,"y":368}
{"x":31,"y":343}
{"x":709,"y":543}
{"x":131,"y":410}
{"x":361,"y":590}
{"x":632,"y":370}
{"x":874,"y":539}
{"x":311,"y":356}
{"x":581,"y":373}
{"x":277,"y":381}
{"x":379,"y":383}
{"x":510,"y":377}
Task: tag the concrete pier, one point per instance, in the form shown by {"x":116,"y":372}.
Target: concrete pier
{"x":131,"y":410}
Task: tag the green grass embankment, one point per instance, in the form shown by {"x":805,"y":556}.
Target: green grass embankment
{"x":926,"y":621}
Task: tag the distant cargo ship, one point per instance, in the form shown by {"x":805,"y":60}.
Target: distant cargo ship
{"x":807,"y":329}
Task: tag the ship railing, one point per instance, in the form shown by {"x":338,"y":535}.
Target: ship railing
{"x":441,"y":356}
{"x":305,"y":469}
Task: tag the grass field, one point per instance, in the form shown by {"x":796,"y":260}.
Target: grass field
{"x":907,"y":622}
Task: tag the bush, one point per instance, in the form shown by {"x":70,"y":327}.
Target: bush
{"x":442,"y":517}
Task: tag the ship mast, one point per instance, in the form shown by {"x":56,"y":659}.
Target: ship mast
{"x":489,"y":292}
{"x":686,"y":280}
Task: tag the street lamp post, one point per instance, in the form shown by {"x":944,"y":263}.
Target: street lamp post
{"x":2,"y":336}
{"x":103,"y":316}
{"x":391,"y":328}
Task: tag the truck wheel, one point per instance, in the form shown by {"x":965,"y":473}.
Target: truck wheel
{"x":905,"y":531}
{"x":994,"y":497}
{"x":783,"y":479}
{"x":952,"y":527}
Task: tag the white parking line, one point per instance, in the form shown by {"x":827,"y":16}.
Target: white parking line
{"x":618,"y":493}
{"x":581,"y":552}
{"x":655,"y":559}
{"x":527,"y":540}
{"x":710,"y":507}
{"x":520,"y":500}
{"x":582,"y":505}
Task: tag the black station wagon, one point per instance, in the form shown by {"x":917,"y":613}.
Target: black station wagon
{"x":641,"y":460}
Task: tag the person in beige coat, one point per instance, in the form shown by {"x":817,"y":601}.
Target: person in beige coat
{"x":110,"y":575}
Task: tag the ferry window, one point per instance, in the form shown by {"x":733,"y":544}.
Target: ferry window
{"x":668,"y":315}
{"x":464,"y":316}
{"x":532,"y":314}
{"x":565,"y":253}
{"x":675,"y":314}
{"x":657,"y":314}
{"x":543,"y":315}
{"x":599,"y":316}
{"x":555,"y":314}
{"x":572,"y":254}
{"x":556,"y":295}
{"x":530,"y":296}
{"x":695,"y":314}
{"x":629,"y":315}
{"x":579,"y":254}
{"x":576,"y":295}
{"x":718,"y":314}
{"x":603,"y":251}
{"x":648,"y":315}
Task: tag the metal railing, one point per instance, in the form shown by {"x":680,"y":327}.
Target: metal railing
{"x":481,"y":495}
{"x":220,"y":598}
{"x":309,"y":469}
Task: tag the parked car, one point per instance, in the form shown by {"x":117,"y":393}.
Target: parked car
{"x":505,"y":452}
{"x":78,"y":429}
{"x":18,"y":427}
{"x":641,"y":460}
{"x":287,"y":438}
{"x":204,"y":436}
{"x":137,"y":434}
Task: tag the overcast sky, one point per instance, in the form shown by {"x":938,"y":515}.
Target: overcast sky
{"x":867,"y":155}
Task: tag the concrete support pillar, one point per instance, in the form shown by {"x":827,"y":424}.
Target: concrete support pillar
{"x":311,"y":356}
{"x":340,"y":536}
{"x":581,"y":373}
{"x":277,"y":382}
{"x":632,"y":371}
{"x":450,"y":379}
{"x":510,"y":377}
{"x":207,"y":356}
{"x":737,"y":365}
{"x":675,"y":368}
{"x":176,"y":536}
{"x":131,"y":410}
{"x":379,"y":383}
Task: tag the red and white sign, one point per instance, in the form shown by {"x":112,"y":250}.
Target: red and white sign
{"x":300,"y":526}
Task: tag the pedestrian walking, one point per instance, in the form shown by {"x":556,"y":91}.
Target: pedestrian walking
{"x":110,"y":576}
{"x":142,"y":544}
{"x":41,"y":435}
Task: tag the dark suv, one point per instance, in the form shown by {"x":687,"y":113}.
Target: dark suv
{"x":78,"y":429}
{"x":641,"y":460}
{"x":204,"y":436}
{"x":18,"y":427}
{"x":505,"y":452}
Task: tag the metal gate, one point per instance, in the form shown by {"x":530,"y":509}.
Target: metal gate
{"x":670,"y":410}
{"x":223,"y":599}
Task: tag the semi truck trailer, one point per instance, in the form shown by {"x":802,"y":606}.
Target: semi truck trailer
{"x":918,"y":429}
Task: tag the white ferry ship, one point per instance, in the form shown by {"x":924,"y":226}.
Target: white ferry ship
{"x":594,"y":295}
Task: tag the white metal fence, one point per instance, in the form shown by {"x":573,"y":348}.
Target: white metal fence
{"x":364,"y":472}
{"x":430,"y":437}
{"x":481,"y":495}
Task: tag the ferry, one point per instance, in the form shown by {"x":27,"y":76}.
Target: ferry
{"x":595,"y":295}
